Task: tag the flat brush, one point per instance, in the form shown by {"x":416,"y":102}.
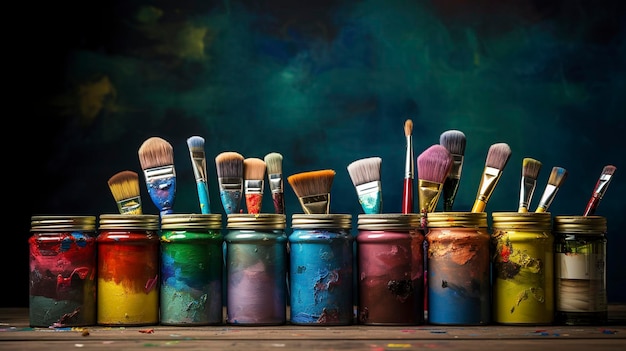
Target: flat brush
{"x":156,"y":156}
{"x":556,"y":179}
{"x":454,"y":141}
{"x":274,"y":163}
{"x":497,"y":158}
{"x":530,"y":172}
{"x":124,"y":186}
{"x":229,"y":167}
{"x":409,"y":169}
{"x":198,"y":162}
{"x":598,"y":191}
{"x":253,"y":185}
{"x":433,"y":167}
{"x":365,"y":175}
{"x":313,"y":190}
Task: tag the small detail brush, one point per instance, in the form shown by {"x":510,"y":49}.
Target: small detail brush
{"x":124,"y":186}
{"x":433,"y":167}
{"x":454,"y":141}
{"x":198,"y":162}
{"x":598,"y":191}
{"x":409,"y":169}
{"x":497,"y":158}
{"x":229,"y":166}
{"x":254,"y":183}
{"x":556,"y":179}
{"x":274,"y":163}
{"x":313,"y":190}
{"x":530,"y":172}
{"x":365,"y":175}
{"x":156,"y":156}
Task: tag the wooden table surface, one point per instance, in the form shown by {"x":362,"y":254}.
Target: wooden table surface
{"x":16,"y":334}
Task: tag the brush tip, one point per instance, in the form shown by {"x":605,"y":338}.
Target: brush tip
{"x":530,"y":168}
{"x":408,"y":127}
{"x":254,"y":168}
{"x":155,"y":152}
{"x":312,"y":182}
{"x":229,"y":164}
{"x":365,"y":170}
{"x":274,"y":162}
{"x":195,"y":142}
{"x":453,"y":140}
{"x":498,"y":155}
{"x":434,"y":164}
{"x":557,"y":176}
{"x":609,"y":169}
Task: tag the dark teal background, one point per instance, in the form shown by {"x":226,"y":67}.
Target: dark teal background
{"x":322,"y":82}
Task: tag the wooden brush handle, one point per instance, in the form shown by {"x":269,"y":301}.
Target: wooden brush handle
{"x":407,"y":196}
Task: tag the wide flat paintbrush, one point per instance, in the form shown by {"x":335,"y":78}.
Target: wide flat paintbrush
{"x":433,"y":167}
{"x":454,"y":141}
{"x":124,"y":186}
{"x":556,"y":179}
{"x":274,"y":163}
{"x":530,"y":172}
{"x":365,"y":175}
{"x":497,"y":158}
{"x":229,"y":166}
{"x":156,"y":156}
{"x":313,"y":190}
{"x":409,"y":169}
{"x":254,"y":183}
{"x":598,"y":191}
{"x":198,"y":162}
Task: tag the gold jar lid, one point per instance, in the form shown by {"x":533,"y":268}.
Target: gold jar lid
{"x":256,"y":221}
{"x":522,"y":220}
{"x":580,"y":224}
{"x":62,"y":223}
{"x":315,"y":221}
{"x":191,"y":221}
{"x":129,"y":222}
{"x":456,"y":219}
{"x":389,"y":221}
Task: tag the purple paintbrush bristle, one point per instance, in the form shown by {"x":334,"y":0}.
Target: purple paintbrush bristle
{"x":434,"y":164}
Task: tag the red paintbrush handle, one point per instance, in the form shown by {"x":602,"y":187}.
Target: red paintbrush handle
{"x":253,"y":203}
{"x":407,"y":196}
{"x":590,"y":210}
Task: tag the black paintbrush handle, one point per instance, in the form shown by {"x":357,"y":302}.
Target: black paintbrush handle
{"x":450,"y":187}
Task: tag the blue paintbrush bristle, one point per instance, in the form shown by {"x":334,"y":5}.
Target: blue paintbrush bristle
{"x":195,"y":143}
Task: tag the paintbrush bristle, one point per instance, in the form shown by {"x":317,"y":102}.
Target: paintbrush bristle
{"x":229,"y":164}
{"x":530,"y":168}
{"x":365,"y":170}
{"x":408,"y":127}
{"x":312,"y":183}
{"x":557,"y":176}
{"x":274,"y":163}
{"x":608,"y":170}
{"x":254,"y":168}
{"x":454,"y":141}
{"x":155,"y":152}
{"x":195,"y":143}
{"x":498,"y":156}
{"x":434,"y":164}
{"x":124,"y":185}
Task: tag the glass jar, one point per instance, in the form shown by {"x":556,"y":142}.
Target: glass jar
{"x":523,"y":268}
{"x":128,"y":270}
{"x":580,"y":269}
{"x":62,"y":291}
{"x":256,"y":259}
{"x":191,"y":269}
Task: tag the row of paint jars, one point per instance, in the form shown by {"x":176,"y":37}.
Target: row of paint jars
{"x":145,"y":270}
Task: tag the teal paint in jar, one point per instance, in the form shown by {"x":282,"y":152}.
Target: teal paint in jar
{"x":256,"y":274}
{"x":191,"y":269}
{"x":320,"y":278}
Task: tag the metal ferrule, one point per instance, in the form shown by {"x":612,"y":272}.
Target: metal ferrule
{"x":409,"y":165}
{"x":457,"y":165}
{"x":254,"y":186}
{"x":276,"y":182}
{"x":428,"y":194}
{"x":603,"y":184}
{"x":527,"y":188}
{"x":199,"y":166}
{"x":230,"y":184}
{"x":315,"y":204}
{"x":488,"y":183}
{"x":159,"y":172}
{"x":548,"y":196}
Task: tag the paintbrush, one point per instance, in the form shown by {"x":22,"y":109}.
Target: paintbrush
{"x":598,"y":191}
{"x":313,"y":190}
{"x":156,"y":156}
{"x":556,"y":179}
{"x":409,"y":169}
{"x":530,"y":172}
{"x":433,"y":167}
{"x":365,"y":175}
{"x":124,"y":186}
{"x":198,"y":162}
{"x":229,"y":166}
{"x":497,"y":158}
{"x":274,"y":163}
{"x":254,"y":183}
{"x":454,"y":141}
